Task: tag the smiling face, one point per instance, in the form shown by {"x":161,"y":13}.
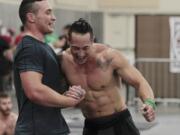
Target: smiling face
{"x":81,"y":47}
{"x":37,"y":15}
{"x":44,"y":18}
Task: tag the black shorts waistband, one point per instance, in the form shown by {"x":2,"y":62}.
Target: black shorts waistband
{"x":107,"y":121}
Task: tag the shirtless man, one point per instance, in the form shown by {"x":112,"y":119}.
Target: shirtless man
{"x":7,"y":118}
{"x":98,"y":69}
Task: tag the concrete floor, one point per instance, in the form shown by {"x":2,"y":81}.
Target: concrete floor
{"x":167,"y":121}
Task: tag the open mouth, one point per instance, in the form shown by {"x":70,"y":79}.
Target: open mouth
{"x":51,"y":25}
{"x":81,"y":58}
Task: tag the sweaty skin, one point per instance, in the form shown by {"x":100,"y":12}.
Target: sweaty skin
{"x":99,"y":69}
{"x":100,"y":80}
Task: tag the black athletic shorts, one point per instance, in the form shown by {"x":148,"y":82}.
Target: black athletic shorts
{"x":120,"y":123}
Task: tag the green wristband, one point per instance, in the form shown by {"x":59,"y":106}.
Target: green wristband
{"x":150,"y":102}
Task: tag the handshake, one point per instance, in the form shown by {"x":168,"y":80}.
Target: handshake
{"x":75,"y":94}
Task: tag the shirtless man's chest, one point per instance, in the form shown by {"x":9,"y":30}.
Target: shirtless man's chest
{"x":99,"y":78}
{"x":7,"y":126}
{"x":89,"y":77}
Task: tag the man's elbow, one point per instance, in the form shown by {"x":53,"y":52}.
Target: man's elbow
{"x":33,"y":94}
{"x":136,"y":85}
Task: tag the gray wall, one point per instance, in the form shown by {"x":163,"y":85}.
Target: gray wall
{"x":10,"y":18}
{"x":67,"y":17}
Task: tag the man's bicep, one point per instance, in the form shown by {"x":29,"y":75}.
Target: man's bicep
{"x":30,"y":81}
{"x":130,"y":75}
{"x":125,"y":70}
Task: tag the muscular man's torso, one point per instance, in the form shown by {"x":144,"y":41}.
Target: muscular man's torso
{"x":101,"y":83}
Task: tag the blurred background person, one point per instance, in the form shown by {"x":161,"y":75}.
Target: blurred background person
{"x":6,"y":38}
{"x":19,"y":36}
{"x":7,"y":117}
{"x":66,"y":29}
{"x":61,"y":44}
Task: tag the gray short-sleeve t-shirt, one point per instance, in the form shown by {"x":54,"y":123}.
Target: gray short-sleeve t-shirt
{"x":34,"y":119}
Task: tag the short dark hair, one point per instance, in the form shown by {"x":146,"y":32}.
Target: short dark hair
{"x":4,"y":95}
{"x":67,"y":26}
{"x":25,"y":7}
{"x":81,"y":26}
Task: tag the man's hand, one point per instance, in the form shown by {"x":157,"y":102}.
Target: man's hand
{"x":76,"y":92}
{"x":148,"y":112}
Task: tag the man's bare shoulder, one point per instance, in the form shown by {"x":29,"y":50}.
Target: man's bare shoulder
{"x":66,"y":57}
{"x":105,"y":50}
{"x":66,"y":53}
{"x":109,"y":54}
{"x":14,"y":115}
{"x":100,"y":48}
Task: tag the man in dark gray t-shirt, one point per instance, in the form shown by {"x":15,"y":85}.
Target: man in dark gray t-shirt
{"x":33,"y":55}
{"x":38,"y":79}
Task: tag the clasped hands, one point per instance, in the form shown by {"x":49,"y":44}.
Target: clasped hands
{"x":76,"y":92}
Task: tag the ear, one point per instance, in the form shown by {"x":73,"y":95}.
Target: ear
{"x":31,"y":17}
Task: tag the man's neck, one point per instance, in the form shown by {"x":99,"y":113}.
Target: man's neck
{"x":34,"y":32}
{"x":4,"y":117}
{"x":35,"y":35}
